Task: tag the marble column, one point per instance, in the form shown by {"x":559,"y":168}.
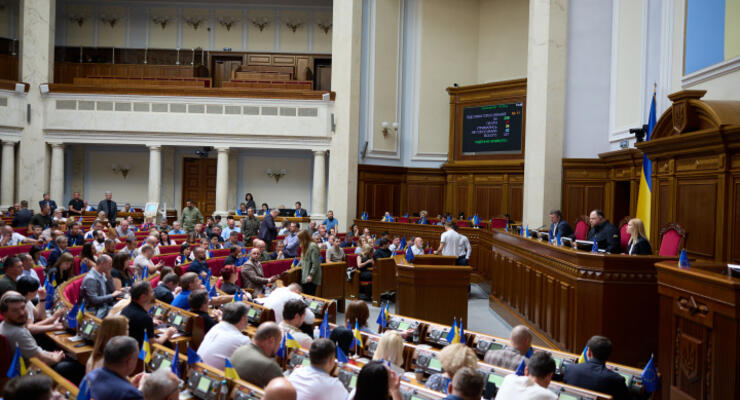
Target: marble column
{"x":155,"y":173}
{"x":546,"y":70}
{"x":318,"y":197}
{"x":56,"y":178}
{"x":36,"y":64}
{"x":7,"y":175}
{"x":222,"y":181}
{"x":345,"y":81}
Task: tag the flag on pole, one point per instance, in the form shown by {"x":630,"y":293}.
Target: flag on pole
{"x":176,"y":361}
{"x":193,"y":357}
{"x":520,"y":369}
{"x":80,"y":313}
{"x":595,"y":246}
{"x":683,"y":260}
{"x":290,"y":342}
{"x":453,"y":331}
{"x":17,"y":366}
{"x":282,"y":350}
{"x":324,"y":330}
{"x":72,"y":316}
{"x":650,"y":380}
{"x":49,"y":293}
{"x":84,"y":391}
{"x":644,"y":193}
{"x":145,"y":354}
{"x":583,"y":357}
{"x":356,"y":333}
{"x":341,"y":357}
{"x":229,"y":371}
{"x":558,"y":239}
{"x":410,"y":254}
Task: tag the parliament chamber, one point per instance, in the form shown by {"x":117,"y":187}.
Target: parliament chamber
{"x":369,"y":199}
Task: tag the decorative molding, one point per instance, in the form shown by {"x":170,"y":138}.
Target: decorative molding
{"x":710,"y":72}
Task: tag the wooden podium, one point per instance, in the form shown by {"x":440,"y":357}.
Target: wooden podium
{"x":698,"y":331}
{"x":435,"y":293}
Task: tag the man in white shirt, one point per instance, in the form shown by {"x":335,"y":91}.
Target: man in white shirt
{"x":294,"y":313}
{"x":464,"y":250}
{"x":449,"y":243}
{"x":277,"y":299}
{"x":533,"y":385}
{"x":226,"y":336}
{"x":13,"y":238}
{"x":418,"y":247}
{"x":314,"y":382}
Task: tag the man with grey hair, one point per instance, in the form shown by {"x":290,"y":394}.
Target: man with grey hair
{"x":124,"y":231}
{"x":512,"y":355}
{"x":161,"y":384}
{"x":253,"y":277}
{"x":28,"y":267}
{"x":110,"y":382}
{"x":94,"y":289}
{"x":226,"y":336}
{"x":255,"y":362}
{"x":109,"y":207}
{"x":144,"y":259}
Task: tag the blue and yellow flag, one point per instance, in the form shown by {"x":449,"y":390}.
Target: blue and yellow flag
{"x":175,"y":367}
{"x":475,"y":220}
{"x":453,"y":332}
{"x":17,"y":366}
{"x":229,"y":371}
{"x":295,"y":262}
{"x":583,"y":357}
{"x":382,"y":320}
{"x":356,"y":333}
{"x":84,"y":391}
{"x":644,"y":193}
{"x":49,"y":294}
{"x":80,"y":313}
{"x":282,"y":350}
{"x":145,"y":354}
{"x":72,"y":316}
{"x":290,"y":342}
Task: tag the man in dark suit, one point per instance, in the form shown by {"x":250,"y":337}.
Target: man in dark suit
{"x":110,"y":207}
{"x":604,"y":233}
{"x":300,"y":212}
{"x":23,"y":216}
{"x":559,"y":226}
{"x":268,"y":230}
{"x":593,"y":374}
{"x":48,"y":202}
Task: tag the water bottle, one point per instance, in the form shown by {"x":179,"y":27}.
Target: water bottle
{"x":316,"y":332}
{"x":224,"y":392}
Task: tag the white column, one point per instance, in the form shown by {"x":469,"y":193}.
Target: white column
{"x":318,"y":197}
{"x":36,"y":67}
{"x":56,"y":179}
{"x":345,"y":81}
{"x":7,"y":179}
{"x":155,"y":173}
{"x":222,"y":181}
{"x":546,"y":68}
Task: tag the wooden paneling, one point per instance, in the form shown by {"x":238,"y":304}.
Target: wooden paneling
{"x":399,"y":190}
{"x":193,"y":92}
{"x":66,"y":72}
{"x":735,"y":236}
{"x":199,"y":183}
{"x":9,"y":67}
{"x":696,"y":205}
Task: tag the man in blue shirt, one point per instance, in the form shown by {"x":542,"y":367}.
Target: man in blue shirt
{"x":176,"y":229}
{"x":199,"y":265}
{"x":330,"y":221}
{"x":291,"y":241}
{"x":110,"y":382}
{"x":230,"y":227}
{"x":189,"y":281}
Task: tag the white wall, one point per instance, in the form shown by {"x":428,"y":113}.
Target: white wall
{"x":503,"y":30}
{"x":99,"y":176}
{"x":294,"y":186}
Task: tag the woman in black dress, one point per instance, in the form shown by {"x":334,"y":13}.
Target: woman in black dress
{"x":638,"y":243}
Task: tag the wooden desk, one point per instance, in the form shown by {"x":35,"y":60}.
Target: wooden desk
{"x":62,"y":341}
{"x":384,"y":277}
{"x":569,"y":295}
{"x":436,"y":293}
{"x":333,"y":276}
{"x":61,"y":384}
{"x":699,"y":353}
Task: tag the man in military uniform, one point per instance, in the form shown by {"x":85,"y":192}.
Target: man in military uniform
{"x":190,"y":216}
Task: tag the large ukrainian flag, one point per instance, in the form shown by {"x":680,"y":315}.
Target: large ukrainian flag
{"x":644,"y":194}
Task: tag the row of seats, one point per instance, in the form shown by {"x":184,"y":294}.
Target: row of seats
{"x":262,"y":76}
{"x":265,"y":84}
{"x":117,"y":81}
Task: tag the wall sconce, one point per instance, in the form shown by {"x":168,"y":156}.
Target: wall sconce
{"x":386,"y":129}
{"x":293,"y":24}
{"x":325,"y":26}
{"x":79,"y":19}
{"x":194,"y":22}
{"x":227,"y":22}
{"x":109,"y":19}
{"x":123,"y":170}
{"x":161,"y":20}
{"x":276,"y":175}
{"x":260,"y":22}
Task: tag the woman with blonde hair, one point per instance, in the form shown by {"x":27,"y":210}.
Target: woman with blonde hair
{"x":110,"y":326}
{"x":638,"y":243}
{"x":390,"y":348}
{"x":310,"y":263}
{"x":452,"y":357}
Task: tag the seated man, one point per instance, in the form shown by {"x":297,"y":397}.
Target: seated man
{"x":559,"y":226}
{"x":13,"y":238}
{"x":278,"y":297}
{"x":189,"y":281}
{"x":199,"y":265}
{"x":74,"y":236}
{"x":144,"y":260}
{"x":262,"y":247}
{"x":330,"y":221}
{"x":31,"y":387}
{"x":467,"y":384}
{"x":234,"y":257}
{"x":300,"y":212}
{"x":533,"y":385}
{"x":226,"y":336}
{"x":176,"y":230}
{"x":13,"y":269}
{"x":510,"y":357}
{"x":255,"y":362}
{"x":279,"y":253}
{"x":593,"y":374}
{"x":317,"y":382}
{"x":167,"y":288}
{"x":161,"y":384}
{"x":230,"y":227}
{"x":278,"y":389}
{"x":233,"y":241}
{"x":61,"y":247}
{"x":335,"y":252}
{"x":124,"y":231}
{"x":139,"y":321}
{"x":94,"y":290}
{"x":294,"y":313}
{"x":198,"y":300}
{"x":253,"y":277}
{"x":120,"y":357}
{"x":418,"y":247}
{"x":604,"y":233}
{"x":15,"y":314}
{"x":383,"y":251}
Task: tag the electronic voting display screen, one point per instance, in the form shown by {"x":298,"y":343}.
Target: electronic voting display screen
{"x":492,"y":129}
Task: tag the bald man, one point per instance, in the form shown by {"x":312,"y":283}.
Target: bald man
{"x":255,"y":362}
{"x":511,"y":356}
{"x":252,"y":275}
{"x":279,"y":389}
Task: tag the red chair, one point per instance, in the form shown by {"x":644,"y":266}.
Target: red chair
{"x":75,"y":250}
{"x":462,"y":223}
{"x":178,"y":238}
{"x":276,"y":267}
{"x":169,"y":249}
{"x":182,"y":268}
{"x":624,"y":237}
{"x":72,"y":290}
{"x":581,"y":231}
{"x":40,"y":273}
{"x":219,"y":253}
{"x":6,"y":358}
{"x":21,"y":230}
{"x":349,"y":250}
{"x":352,"y":260}
{"x":76,"y":267}
{"x":168,"y":259}
{"x":155,"y":281}
{"x":672,"y":239}
{"x":498,"y":223}
{"x":216,"y":264}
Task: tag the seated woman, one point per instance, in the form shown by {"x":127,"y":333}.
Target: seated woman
{"x":198,"y":301}
{"x":88,"y":257}
{"x":375,"y":381}
{"x":390,"y":348}
{"x":164,"y":239}
{"x":264,"y":210}
{"x":121,"y":272}
{"x":110,"y":327}
{"x":638,"y":243}
{"x":62,"y":269}
{"x":242,"y":209}
{"x":229,"y":276}
{"x":38,"y":259}
{"x":364,"y":262}
{"x":185,"y":254}
{"x":37,"y":322}
{"x":452,"y":357}
{"x":358,"y":312}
